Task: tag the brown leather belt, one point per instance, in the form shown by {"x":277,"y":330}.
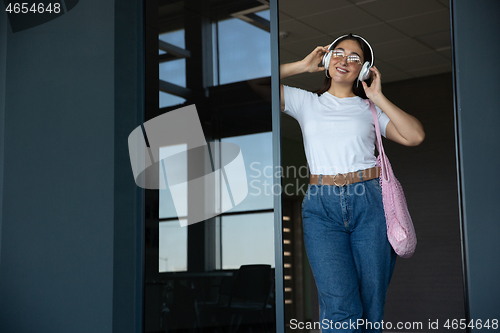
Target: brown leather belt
{"x":342,"y":179}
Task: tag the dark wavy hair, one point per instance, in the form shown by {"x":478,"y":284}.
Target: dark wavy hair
{"x":357,"y":88}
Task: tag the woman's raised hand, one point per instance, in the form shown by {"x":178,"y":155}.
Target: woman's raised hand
{"x":375,"y":89}
{"x":312,"y":61}
{"x":310,"y":64}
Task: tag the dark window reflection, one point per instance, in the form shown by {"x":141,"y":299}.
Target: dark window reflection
{"x":244,"y":50}
{"x":216,"y":275}
{"x":246,"y":239}
{"x":173,"y":70}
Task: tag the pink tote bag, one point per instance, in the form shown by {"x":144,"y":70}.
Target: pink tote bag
{"x":400,"y":230}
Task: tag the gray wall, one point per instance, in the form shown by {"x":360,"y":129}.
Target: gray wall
{"x":429,"y":285}
{"x":475,"y":33}
{"x":70,"y":227}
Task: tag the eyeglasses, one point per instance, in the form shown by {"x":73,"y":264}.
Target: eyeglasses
{"x":351,"y":58}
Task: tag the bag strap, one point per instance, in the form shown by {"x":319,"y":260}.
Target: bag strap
{"x":380,"y":147}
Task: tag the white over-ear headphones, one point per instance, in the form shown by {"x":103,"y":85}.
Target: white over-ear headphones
{"x":365,"y":70}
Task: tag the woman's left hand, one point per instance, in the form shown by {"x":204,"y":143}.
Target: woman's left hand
{"x":375,"y":89}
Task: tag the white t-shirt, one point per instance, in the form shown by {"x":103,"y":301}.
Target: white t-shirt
{"x":339,"y":133}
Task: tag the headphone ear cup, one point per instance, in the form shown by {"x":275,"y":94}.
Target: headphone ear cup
{"x":364,"y":74}
{"x":326,"y":62}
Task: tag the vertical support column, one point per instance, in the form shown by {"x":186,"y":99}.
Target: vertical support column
{"x":475,"y":29}
{"x":278,"y":215}
{"x":128,"y":236}
{"x":198,"y":77}
{"x":3,"y":85}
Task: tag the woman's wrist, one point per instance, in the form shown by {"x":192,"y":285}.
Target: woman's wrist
{"x":302,"y":67}
{"x":378,"y":99}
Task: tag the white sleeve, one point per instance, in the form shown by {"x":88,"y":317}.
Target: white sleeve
{"x":294,"y":99}
{"x":383,"y":120}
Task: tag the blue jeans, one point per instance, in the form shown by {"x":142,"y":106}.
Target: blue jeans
{"x":351,"y":259}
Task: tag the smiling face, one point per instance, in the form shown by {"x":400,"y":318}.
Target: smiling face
{"x":342,"y":71}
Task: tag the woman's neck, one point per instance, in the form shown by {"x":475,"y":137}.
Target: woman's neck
{"x":341,"y":91}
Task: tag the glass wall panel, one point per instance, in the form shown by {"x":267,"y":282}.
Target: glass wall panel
{"x":258,"y":157}
{"x":264,"y":14}
{"x":167,"y":207}
{"x":241,"y":234}
{"x":167,"y":100}
{"x":244,"y":51}
{"x":173,"y":71}
{"x":176,"y":38}
{"x":214,"y":275}
{"x":173,"y":247}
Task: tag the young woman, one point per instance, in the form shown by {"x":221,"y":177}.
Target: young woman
{"x":343,"y":216}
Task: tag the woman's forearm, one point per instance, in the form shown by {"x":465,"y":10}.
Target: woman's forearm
{"x":292,"y":68}
{"x":286,"y":70}
{"x":310,"y":64}
{"x":262,"y":85}
{"x":409,"y":127}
